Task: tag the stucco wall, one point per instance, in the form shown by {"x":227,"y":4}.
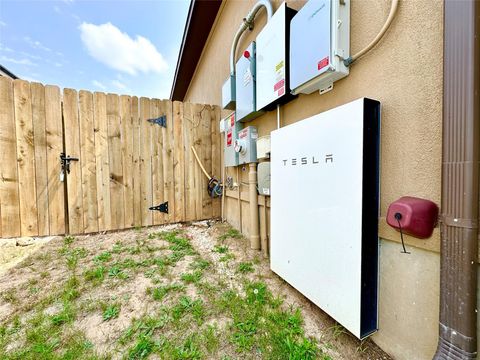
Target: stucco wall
{"x":403,"y":72}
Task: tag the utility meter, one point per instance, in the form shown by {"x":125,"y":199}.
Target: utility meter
{"x":246,"y":145}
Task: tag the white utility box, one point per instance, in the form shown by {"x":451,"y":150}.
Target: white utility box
{"x":246,"y":145}
{"x":272,"y":60}
{"x":325,"y":208}
{"x":232,"y":128}
{"x":263,"y":147}
{"x":263,"y":178}
{"x":319,"y":41}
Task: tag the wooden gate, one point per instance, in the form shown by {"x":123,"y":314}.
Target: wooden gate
{"x":127,"y":161}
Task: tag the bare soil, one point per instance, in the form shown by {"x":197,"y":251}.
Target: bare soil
{"x":39,"y":284}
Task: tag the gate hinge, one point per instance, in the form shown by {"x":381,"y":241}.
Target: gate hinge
{"x":162,"y":208}
{"x":162,"y":121}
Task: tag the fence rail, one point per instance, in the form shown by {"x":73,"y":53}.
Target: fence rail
{"x":125,"y":162}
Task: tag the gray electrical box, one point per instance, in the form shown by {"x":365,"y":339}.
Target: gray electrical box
{"x":228,"y":93}
{"x":245,"y":86}
{"x":263,"y":178}
{"x":246,"y":145}
{"x":232,"y":128}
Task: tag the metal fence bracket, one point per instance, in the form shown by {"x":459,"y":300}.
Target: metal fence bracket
{"x":162,"y":121}
{"x":162,"y":208}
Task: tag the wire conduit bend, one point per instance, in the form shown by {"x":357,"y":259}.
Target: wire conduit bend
{"x":388,"y":22}
{"x":247,"y":24}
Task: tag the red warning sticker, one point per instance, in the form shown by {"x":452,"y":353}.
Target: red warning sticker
{"x":243,"y":133}
{"x":278,"y":85}
{"x":281,"y":91}
{"x":322,"y":63}
{"x":232,"y":120}
{"x":229,"y":138}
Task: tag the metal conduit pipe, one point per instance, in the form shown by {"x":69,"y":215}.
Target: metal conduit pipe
{"x":254,"y":215}
{"x":248,"y":24}
{"x":460,"y":182}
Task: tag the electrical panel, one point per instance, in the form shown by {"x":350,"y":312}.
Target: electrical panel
{"x":325,"y":208}
{"x":245,"y":88}
{"x":320,"y":40}
{"x":246,"y":145}
{"x":232,"y":128}
{"x":263,"y":178}
{"x":272,"y":60}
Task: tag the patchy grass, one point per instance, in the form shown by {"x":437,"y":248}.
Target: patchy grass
{"x":159,"y":295}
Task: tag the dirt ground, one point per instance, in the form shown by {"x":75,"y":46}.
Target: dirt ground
{"x":163,"y":292}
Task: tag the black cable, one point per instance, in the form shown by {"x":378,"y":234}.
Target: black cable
{"x":398,"y":216}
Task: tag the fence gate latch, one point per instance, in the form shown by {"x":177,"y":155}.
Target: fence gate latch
{"x":65,"y":161}
{"x":162,"y":207}
{"x":162,"y":121}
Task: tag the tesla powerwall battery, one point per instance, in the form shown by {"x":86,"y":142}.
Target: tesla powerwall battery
{"x":319,"y":41}
{"x":324,"y":211}
{"x":272,"y":60}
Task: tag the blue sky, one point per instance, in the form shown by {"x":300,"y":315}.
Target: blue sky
{"x":124,"y":47}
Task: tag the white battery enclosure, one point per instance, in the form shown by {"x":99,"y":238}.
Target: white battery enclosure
{"x":232,"y":128}
{"x":272,"y":60}
{"x":324,"y":211}
{"x":246,"y":145}
{"x":320,"y":40}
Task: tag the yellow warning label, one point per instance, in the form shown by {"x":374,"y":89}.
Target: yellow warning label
{"x":279,"y":65}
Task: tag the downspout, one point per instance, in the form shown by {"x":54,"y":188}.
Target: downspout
{"x":460,"y":182}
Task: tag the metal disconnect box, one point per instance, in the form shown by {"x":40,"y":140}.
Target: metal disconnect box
{"x":246,"y":145}
{"x":246,"y":103}
{"x":272,"y":60}
{"x":232,"y":128}
{"x":319,"y":41}
{"x":325,"y":208}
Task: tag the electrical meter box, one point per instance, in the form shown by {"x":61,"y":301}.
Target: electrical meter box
{"x":246,"y":145}
{"x":272,"y":60}
{"x":245,"y":93}
{"x":319,"y":42}
{"x":263,"y":178}
{"x":232,"y":128}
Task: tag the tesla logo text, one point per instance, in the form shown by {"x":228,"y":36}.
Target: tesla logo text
{"x":306,"y":160}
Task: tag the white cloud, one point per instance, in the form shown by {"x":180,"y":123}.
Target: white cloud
{"x":98,"y":84}
{"x":35,"y":44}
{"x":116,"y":49}
{"x":68,"y":1}
{"x":17,"y":61}
{"x":3,"y":23}
{"x":57,"y":9}
{"x":5,"y":48}
{"x":119,"y":85}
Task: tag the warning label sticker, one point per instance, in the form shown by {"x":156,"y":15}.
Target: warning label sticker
{"x":322,"y":63}
{"x":279,"y":85}
{"x":232,"y":120}
{"x":243,"y":133}
{"x":247,"y":77}
{"x":229,"y":138}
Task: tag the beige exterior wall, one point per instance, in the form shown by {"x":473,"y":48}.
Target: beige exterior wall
{"x":403,"y":72}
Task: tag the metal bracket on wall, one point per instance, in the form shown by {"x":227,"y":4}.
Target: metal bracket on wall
{"x":162,"y":121}
{"x":162,"y":208}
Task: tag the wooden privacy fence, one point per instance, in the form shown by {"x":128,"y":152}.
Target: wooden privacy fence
{"x":126,"y":163}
